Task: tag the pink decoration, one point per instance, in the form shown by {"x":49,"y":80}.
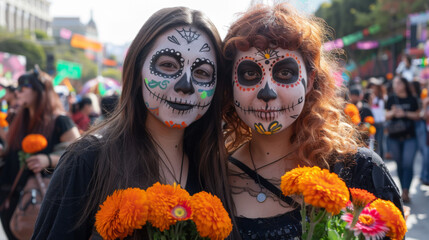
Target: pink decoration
{"x":65,"y":33}
{"x":365,"y":45}
{"x":338,"y":43}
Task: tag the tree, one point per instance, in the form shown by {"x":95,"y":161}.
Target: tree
{"x":41,"y":35}
{"x":31,"y":50}
{"x":337,"y":15}
{"x":390,"y":14}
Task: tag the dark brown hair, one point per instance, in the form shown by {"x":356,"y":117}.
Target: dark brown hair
{"x":127,"y":156}
{"x":46,"y":106}
{"x":321,"y":130}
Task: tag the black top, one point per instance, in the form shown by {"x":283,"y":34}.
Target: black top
{"x":409,"y":104}
{"x":365,"y":111}
{"x":68,"y":193}
{"x":11,"y":167}
{"x":366,"y":172}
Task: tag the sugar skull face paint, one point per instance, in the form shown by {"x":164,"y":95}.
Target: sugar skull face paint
{"x":269,"y":88}
{"x":179,"y":76}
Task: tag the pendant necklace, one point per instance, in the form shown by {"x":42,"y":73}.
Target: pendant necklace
{"x":181,"y":169}
{"x":261,"y":197}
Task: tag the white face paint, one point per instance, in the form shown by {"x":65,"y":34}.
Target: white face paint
{"x":179,"y":76}
{"x":269,"y":88}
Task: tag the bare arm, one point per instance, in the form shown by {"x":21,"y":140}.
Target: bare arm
{"x":38,"y":162}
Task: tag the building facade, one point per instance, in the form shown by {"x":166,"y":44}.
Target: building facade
{"x":74,"y":25}
{"x":20,"y":15}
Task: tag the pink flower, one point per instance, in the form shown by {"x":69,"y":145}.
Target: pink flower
{"x":369,"y":224}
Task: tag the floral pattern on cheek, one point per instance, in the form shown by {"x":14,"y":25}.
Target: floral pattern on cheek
{"x":288,"y":55}
{"x":245,"y":88}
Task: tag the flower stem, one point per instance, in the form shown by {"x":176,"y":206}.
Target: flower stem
{"x":356,"y":214}
{"x":349,"y":232}
{"x":149,"y":232}
{"x":303,"y":217}
{"x":314,"y":220}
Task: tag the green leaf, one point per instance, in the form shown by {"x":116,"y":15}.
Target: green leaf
{"x":333,"y":235}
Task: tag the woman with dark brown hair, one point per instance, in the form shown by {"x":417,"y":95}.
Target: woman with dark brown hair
{"x":283,"y":112}
{"x":166,"y":127}
{"x":40,"y":111}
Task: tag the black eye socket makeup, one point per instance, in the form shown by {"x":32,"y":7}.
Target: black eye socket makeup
{"x":169,"y":53}
{"x":286,"y":71}
{"x":205,"y":81}
{"x":249,"y":73}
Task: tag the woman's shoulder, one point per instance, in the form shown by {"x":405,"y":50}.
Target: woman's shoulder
{"x":364,"y":161}
{"x":366,"y":170}
{"x":80,"y":154}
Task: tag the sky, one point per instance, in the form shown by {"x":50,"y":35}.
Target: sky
{"x":118,"y":21}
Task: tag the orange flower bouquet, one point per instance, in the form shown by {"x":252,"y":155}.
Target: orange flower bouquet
{"x":334,"y":214}
{"x":167,"y":212}
{"x":31,"y":144}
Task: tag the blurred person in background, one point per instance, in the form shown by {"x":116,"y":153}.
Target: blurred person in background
{"x":424,"y":175}
{"x":377,"y":103}
{"x":40,"y":111}
{"x":108,"y":105}
{"x":403,"y":107}
{"x":11,"y":99}
{"x":406,"y":69}
{"x":96,"y":109}
{"x":82,"y":111}
{"x":360,"y":100}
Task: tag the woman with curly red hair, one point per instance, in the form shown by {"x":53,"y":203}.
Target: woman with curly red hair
{"x":282,"y":111}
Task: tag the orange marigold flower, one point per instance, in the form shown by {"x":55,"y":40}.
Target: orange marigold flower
{"x":210,"y":217}
{"x":424,"y":93}
{"x":289,"y":181}
{"x":33,"y":143}
{"x":162,"y":199}
{"x":3,"y":122}
{"x":107,"y":221}
{"x":361,"y":197}
{"x":372,"y":130}
{"x":390,"y":214}
{"x":324,"y":189}
{"x":353,"y":112}
{"x":369,"y":119}
{"x":134,"y":208}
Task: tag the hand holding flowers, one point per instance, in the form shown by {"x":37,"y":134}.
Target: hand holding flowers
{"x":31,"y":144}
{"x":332,"y":215}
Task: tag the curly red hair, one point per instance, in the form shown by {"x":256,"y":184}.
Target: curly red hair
{"x":322,"y":131}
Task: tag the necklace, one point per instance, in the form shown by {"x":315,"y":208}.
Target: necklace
{"x":261,"y":197}
{"x":181,"y":168}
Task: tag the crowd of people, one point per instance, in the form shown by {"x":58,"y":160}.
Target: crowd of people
{"x":399,"y":108}
{"x":209,"y":115}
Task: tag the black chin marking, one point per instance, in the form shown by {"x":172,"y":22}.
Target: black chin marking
{"x":180,"y":107}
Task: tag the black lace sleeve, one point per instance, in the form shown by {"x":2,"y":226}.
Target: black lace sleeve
{"x":369,"y":172}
